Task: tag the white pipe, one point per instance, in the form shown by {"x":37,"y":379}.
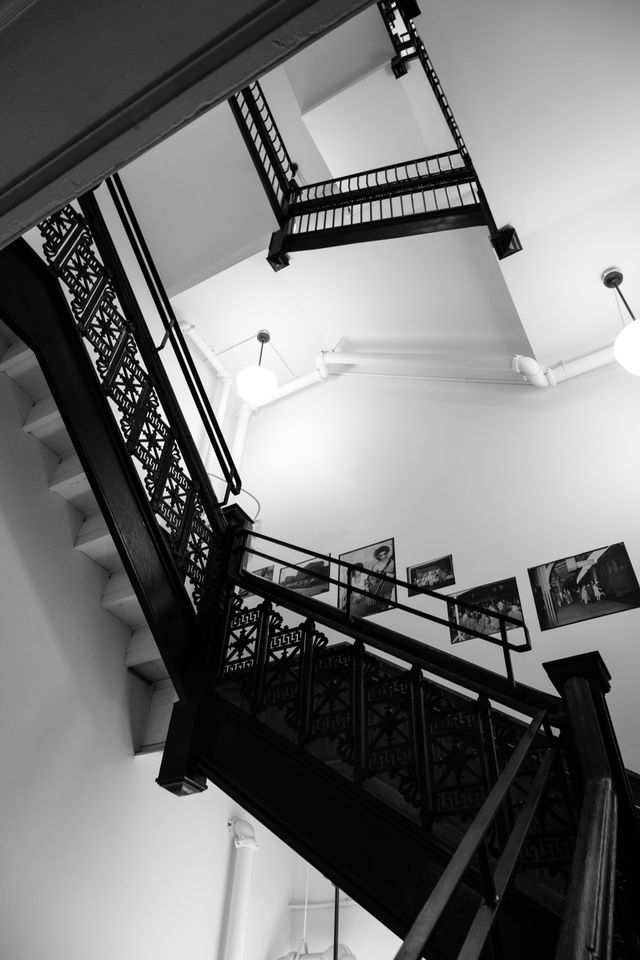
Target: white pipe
{"x":591,"y":361}
{"x":533,"y":373}
{"x":206,"y":351}
{"x":221,"y":400}
{"x":245,"y":845}
{"x":317,"y":375}
{"x":240,"y":433}
{"x":332,"y":357}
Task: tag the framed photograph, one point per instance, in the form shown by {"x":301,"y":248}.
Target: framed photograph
{"x":587,"y":585}
{"x":501,"y":596}
{"x":433,"y":574}
{"x":366,"y":562}
{"x":310,"y":581}
{"x":265,"y":572}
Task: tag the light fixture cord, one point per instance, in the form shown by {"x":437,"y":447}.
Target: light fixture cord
{"x":622,"y":297}
{"x":234,"y":345}
{"x":260,"y":357}
{"x":244,"y":490}
{"x":306,"y":902}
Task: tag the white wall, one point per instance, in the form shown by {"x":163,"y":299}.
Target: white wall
{"x":365,"y":936}
{"x":98,"y":861}
{"x":503,"y":478}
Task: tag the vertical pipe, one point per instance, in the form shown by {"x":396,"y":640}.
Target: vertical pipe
{"x":245,"y":845}
{"x":240,"y":435}
{"x":336,"y":921}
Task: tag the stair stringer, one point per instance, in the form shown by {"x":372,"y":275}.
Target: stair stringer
{"x":41,"y":319}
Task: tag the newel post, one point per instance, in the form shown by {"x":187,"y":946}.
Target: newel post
{"x":587,"y":923}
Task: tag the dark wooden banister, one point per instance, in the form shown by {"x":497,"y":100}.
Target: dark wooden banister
{"x":474,"y":840}
{"x":587,"y":924}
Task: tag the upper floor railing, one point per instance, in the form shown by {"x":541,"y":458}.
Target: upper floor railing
{"x":408,"y":45}
{"x":266,"y":147}
{"x":429,"y":188}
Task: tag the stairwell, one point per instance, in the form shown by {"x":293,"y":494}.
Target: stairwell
{"x":286,"y":723}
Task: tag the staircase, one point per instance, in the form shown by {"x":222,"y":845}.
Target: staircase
{"x":404,"y":774}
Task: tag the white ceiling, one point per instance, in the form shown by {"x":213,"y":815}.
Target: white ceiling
{"x":544,"y":95}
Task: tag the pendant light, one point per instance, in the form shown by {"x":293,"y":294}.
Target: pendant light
{"x":257,"y":384}
{"x":626,"y":347}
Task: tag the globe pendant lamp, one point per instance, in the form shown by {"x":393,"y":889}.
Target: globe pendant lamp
{"x":257,"y":384}
{"x":626,"y":347}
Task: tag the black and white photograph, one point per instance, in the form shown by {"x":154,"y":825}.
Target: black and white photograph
{"x":366,"y":562}
{"x":310,"y":581}
{"x":501,"y":596}
{"x":265,"y":572}
{"x":587,"y":585}
{"x":432,"y":574}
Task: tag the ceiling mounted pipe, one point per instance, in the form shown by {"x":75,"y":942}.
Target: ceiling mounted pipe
{"x":206,"y":351}
{"x":532,"y":372}
{"x":413,"y":360}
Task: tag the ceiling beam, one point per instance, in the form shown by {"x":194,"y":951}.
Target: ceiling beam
{"x":86,"y":88}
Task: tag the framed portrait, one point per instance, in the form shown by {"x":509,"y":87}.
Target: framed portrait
{"x":432,"y":574}
{"x":369,"y":594}
{"x":587,"y":585}
{"x":310,"y":581}
{"x":501,"y":596}
{"x":265,"y":572}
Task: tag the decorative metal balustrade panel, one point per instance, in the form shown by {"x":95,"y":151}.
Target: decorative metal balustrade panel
{"x":175,"y":497}
{"x":460,"y":779}
{"x":332,"y":700}
{"x":241,"y":641}
{"x":549,"y":842}
{"x":438,"y":752}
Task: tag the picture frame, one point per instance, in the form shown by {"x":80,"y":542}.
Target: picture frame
{"x":501,"y":596}
{"x":265,"y":572}
{"x":594,"y":583}
{"x":310,"y":581}
{"x":432,"y":574}
{"x":378,"y":595}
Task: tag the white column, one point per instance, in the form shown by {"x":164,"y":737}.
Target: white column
{"x":245,"y":845}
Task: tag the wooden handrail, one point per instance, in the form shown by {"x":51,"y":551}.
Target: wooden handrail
{"x":587,"y":922}
{"x":418,"y":937}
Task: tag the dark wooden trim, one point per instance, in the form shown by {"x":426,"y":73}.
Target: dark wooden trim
{"x":33,"y":306}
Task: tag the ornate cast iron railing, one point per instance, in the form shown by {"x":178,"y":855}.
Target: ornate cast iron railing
{"x":440,"y":192}
{"x":432,"y":753}
{"x":133,"y":378}
{"x":262,"y":548}
{"x":173,"y":334}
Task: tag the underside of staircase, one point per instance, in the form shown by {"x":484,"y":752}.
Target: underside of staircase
{"x":152,"y":692}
